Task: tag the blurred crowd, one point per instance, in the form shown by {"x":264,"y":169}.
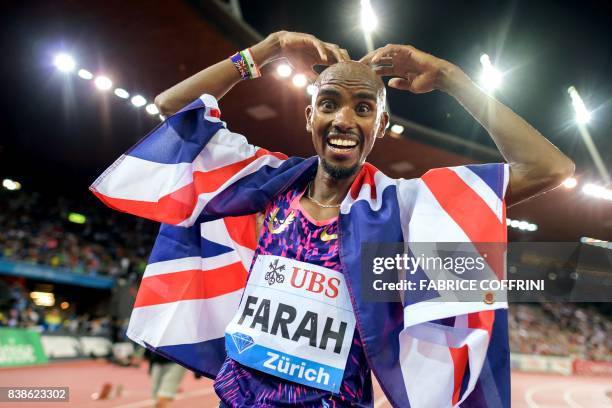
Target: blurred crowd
{"x":18,"y":311}
{"x":36,"y":230}
{"x":561,"y":329}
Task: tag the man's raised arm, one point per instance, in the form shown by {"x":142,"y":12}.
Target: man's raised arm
{"x":302,"y":50}
{"x":536,"y":165}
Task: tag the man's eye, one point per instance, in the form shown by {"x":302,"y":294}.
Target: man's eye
{"x":363,"y":108}
{"x":327,"y":105}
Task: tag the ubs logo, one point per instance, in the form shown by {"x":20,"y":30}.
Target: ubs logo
{"x":274,"y":273}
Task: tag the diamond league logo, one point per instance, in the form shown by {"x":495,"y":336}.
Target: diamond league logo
{"x":242,"y":341}
{"x":274,"y":273}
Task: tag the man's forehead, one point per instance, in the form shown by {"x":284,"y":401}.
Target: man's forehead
{"x":352,"y":74}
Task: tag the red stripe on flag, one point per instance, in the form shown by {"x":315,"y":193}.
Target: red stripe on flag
{"x":177,"y":206}
{"x":471,"y":214}
{"x":460,"y":360}
{"x":482,"y":320}
{"x":464,"y":206}
{"x":365,"y":176}
{"x":191,"y":284}
{"x":242,"y":230}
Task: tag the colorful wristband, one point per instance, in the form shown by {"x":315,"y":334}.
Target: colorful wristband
{"x":245,"y":64}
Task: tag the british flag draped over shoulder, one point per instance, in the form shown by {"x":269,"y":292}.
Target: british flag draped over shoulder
{"x":205,"y":184}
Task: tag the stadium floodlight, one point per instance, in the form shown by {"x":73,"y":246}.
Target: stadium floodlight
{"x":122,"y":93}
{"x":582,"y":114}
{"x":597,"y":191}
{"x":299,"y":80}
{"x":11,"y":185}
{"x":369,"y":22}
{"x":85,"y":74}
{"x":64,"y":62}
{"x":284,"y":70}
{"x":521,"y":225}
{"x":311,"y":89}
{"x":152,"y":109}
{"x":397,"y":128}
{"x":138,"y":101}
{"x":570,"y":182}
{"x":103,"y":83}
{"x":490,"y":78}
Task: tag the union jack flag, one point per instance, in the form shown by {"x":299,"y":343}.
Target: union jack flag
{"x":205,"y":183}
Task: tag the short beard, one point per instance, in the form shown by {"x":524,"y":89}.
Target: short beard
{"x":339,"y":173}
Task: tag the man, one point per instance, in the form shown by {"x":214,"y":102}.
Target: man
{"x":302,"y":334}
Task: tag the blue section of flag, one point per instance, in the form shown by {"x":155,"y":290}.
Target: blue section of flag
{"x":179,"y":139}
{"x":176,"y":242}
{"x":205,"y":358}
{"x":210,"y":249}
{"x":252,"y":193}
{"x":491,"y":174}
{"x":279,"y":364}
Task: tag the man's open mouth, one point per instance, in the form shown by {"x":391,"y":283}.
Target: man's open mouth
{"x":342,"y":143}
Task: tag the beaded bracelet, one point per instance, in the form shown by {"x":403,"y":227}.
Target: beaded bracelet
{"x":245,"y":64}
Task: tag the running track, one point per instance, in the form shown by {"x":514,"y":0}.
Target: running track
{"x":87,"y":377}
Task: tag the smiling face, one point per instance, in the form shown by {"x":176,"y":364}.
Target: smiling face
{"x":346,"y":116}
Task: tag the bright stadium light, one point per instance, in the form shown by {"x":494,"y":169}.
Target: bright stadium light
{"x":490,"y":78}
{"x":284,"y":70}
{"x":368,"y":18}
{"x":299,"y":80}
{"x":122,"y":93}
{"x":311,"y":89}
{"x":397,"y":128}
{"x":85,"y":74}
{"x":64,"y":62}
{"x":103,"y":83}
{"x":521,"y":225}
{"x":138,"y":101}
{"x":582,"y":114}
{"x":11,"y":185}
{"x":570,"y":182}
{"x":596,"y":191}
{"x":152,"y":109}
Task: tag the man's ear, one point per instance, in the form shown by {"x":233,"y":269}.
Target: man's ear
{"x":309,"y":118}
{"x":384,"y":124}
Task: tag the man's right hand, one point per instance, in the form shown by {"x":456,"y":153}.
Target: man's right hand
{"x":303,"y":51}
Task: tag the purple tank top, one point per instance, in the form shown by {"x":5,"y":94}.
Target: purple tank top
{"x":290,"y":232}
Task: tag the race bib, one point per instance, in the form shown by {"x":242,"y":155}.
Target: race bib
{"x":295,"y":321}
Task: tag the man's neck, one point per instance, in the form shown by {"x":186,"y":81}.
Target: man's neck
{"x":329,"y":190}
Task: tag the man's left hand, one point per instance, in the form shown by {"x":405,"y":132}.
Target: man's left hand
{"x":412,"y":70}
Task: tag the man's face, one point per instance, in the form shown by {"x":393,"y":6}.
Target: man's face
{"x":346,"y":116}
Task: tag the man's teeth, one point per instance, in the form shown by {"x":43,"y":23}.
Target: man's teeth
{"x":343,"y":142}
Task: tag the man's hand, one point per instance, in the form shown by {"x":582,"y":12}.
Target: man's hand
{"x":412,"y":70}
{"x":535,"y":164}
{"x":303,"y":51}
